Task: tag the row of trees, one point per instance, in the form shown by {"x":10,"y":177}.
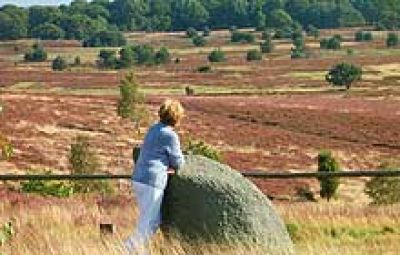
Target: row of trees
{"x":133,"y":55}
{"x":83,"y":20}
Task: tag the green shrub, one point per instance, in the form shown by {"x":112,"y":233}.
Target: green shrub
{"x":328,"y":185}
{"x":77,"y":61}
{"x":144,"y":54}
{"x":216,"y":56}
{"x":59,"y":64}
{"x":293,"y":230}
{"x":191,"y":32}
{"x":7,"y":150}
{"x":392,"y":40}
{"x":298,"y":41}
{"x":361,"y":36}
{"x":106,"y":39}
{"x":206,"y":31}
{"x":305,"y":193}
{"x":350,"y":52}
{"x":189,"y":91}
{"x":6,"y":233}
{"x":199,"y":41}
{"x":254,"y":55}
{"x":81,"y":157}
{"x":333,"y":43}
{"x":344,"y":74}
{"x":131,"y":101}
{"x":204,"y":69}
{"x":197,"y":147}
{"x":267,"y":35}
{"x":232,"y":29}
{"x":162,"y":56}
{"x":60,"y":189}
{"x":108,"y":59}
{"x":36,"y":54}
{"x":283,"y":33}
{"x":297,"y":53}
{"x":238,"y":36}
{"x":312,"y":31}
{"x":384,"y":190}
{"x":267,"y":46}
{"x":83,"y":161}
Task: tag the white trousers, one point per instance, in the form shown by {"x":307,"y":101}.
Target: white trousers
{"x":149,"y":201}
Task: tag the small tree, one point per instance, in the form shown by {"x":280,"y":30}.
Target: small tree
{"x":144,"y":54}
{"x":206,"y":31}
{"x":131,"y":101}
{"x":267,"y":46}
{"x":81,"y":157}
{"x":108,"y":59}
{"x":216,"y":56}
{"x":189,"y":91}
{"x":333,"y":43}
{"x":344,"y":74}
{"x":199,"y":41}
{"x":361,"y":36}
{"x":198,"y":147}
{"x":312,"y":31}
{"x":83,"y":160}
{"x":36,"y":54}
{"x":283,"y":33}
{"x":77,"y":61}
{"x":328,"y":185}
{"x":299,"y":46}
{"x":267,"y":35}
{"x":127,"y":57}
{"x":238,"y":36}
{"x":254,"y":55}
{"x":7,"y":150}
{"x":384,"y":190}
{"x":191,"y":32}
{"x":59,"y":64}
{"x":162,"y":56}
{"x":392,"y":40}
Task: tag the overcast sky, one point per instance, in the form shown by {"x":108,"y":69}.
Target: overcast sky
{"x":25,"y":3}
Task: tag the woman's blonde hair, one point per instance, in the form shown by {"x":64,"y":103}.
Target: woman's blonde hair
{"x":171,"y":111}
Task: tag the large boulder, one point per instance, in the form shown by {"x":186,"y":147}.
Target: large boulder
{"x":208,"y":201}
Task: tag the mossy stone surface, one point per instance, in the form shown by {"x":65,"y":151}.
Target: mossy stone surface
{"x":211,"y":202}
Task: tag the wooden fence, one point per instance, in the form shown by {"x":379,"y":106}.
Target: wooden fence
{"x":250,"y":174}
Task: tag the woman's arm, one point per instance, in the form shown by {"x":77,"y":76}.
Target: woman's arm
{"x":173,"y":149}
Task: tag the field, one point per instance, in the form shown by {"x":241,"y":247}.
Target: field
{"x":270,"y":115}
{"x":71,"y":226}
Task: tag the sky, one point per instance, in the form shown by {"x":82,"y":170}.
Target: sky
{"x":25,"y":3}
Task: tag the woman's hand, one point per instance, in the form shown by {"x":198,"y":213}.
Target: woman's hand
{"x":171,"y":171}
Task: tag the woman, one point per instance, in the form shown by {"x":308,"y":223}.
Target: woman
{"x":160,"y":155}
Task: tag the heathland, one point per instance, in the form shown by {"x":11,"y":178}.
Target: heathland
{"x":270,"y":113}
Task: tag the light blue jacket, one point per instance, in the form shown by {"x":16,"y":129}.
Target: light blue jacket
{"x":160,"y":150}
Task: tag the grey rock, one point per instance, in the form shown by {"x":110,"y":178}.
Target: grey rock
{"x":211,"y":202}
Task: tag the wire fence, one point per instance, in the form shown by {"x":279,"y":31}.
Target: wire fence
{"x":250,"y":174}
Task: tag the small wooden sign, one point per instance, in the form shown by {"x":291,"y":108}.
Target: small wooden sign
{"x":107,"y":228}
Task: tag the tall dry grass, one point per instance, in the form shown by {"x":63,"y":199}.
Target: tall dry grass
{"x":71,"y":227}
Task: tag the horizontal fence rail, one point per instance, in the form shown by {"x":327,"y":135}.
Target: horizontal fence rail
{"x":252,"y":174}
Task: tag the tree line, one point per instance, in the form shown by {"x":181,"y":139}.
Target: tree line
{"x":101,"y":20}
